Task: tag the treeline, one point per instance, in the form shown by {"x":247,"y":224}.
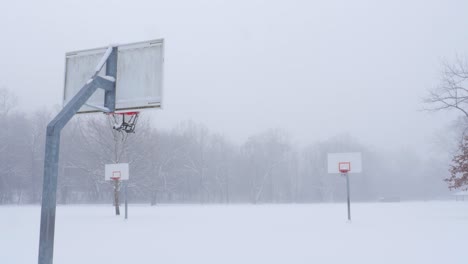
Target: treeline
{"x":190,"y":164}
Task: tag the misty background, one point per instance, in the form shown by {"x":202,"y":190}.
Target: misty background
{"x":255,"y":94}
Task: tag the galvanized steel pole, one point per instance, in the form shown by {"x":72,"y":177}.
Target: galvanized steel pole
{"x":52,"y":148}
{"x":348,"y":194}
{"x":126,"y":200}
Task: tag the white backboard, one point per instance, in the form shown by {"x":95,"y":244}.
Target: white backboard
{"x":354,"y":158}
{"x":139,"y":82}
{"x":116,"y":170}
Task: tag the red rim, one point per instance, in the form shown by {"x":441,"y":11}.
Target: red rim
{"x":124,"y":113}
{"x":344,"y":170}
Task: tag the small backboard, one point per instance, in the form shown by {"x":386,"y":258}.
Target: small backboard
{"x":139,"y":82}
{"x":350,"y":162}
{"x":116,"y":171}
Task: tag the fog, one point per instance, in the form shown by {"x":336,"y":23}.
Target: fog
{"x":315,"y":70}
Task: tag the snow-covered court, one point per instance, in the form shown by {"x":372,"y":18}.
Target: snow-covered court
{"x":407,"y":232}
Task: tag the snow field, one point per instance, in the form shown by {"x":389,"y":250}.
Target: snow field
{"x":416,"y":232}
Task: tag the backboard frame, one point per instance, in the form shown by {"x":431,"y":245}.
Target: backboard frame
{"x":121,"y":105}
{"x":111,"y":169}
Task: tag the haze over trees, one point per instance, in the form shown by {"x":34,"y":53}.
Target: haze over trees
{"x":191,"y":164}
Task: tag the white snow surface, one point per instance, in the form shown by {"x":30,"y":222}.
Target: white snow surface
{"x":109,"y":78}
{"x":416,"y":232}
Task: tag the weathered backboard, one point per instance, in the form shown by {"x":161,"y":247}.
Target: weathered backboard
{"x":353,"y":158}
{"x":117,"y":170}
{"x":139,"y":82}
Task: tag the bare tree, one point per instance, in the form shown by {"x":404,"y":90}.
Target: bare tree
{"x":8,"y":101}
{"x":39,"y":121}
{"x":452,"y":92}
{"x":196,"y":137}
{"x":266,"y":156}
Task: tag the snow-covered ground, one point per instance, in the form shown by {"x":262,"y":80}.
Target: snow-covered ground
{"x":419,"y":232}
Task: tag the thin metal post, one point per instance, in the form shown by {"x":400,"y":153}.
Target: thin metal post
{"x":348,"y":194}
{"x":52,"y":147}
{"x":116,"y":196}
{"x":126,"y":201}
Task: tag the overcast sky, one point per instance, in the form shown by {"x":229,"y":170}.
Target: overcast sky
{"x":314,"y":68}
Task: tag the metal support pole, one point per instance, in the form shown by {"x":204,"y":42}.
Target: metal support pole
{"x":348,"y":194}
{"x":111,"y":70}
{"x":52,"y":147}
{"x":116,"y":196}
{"x":126,"y":201}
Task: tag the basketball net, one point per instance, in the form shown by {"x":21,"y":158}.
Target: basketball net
{"x":123,"y":123}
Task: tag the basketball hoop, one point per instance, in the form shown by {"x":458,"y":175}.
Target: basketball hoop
{"x":344,"y":167}
{"x":116,"y":171}
{"x":123,"y":121}
{"x":116,"y":175}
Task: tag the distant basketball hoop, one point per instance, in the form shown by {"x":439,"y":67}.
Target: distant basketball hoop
{"x":116,"y":175}
{"x":116,"y":172}
{"x":344,"y":167}
{"x":341,"y":163}
{"x":345,"y":163}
